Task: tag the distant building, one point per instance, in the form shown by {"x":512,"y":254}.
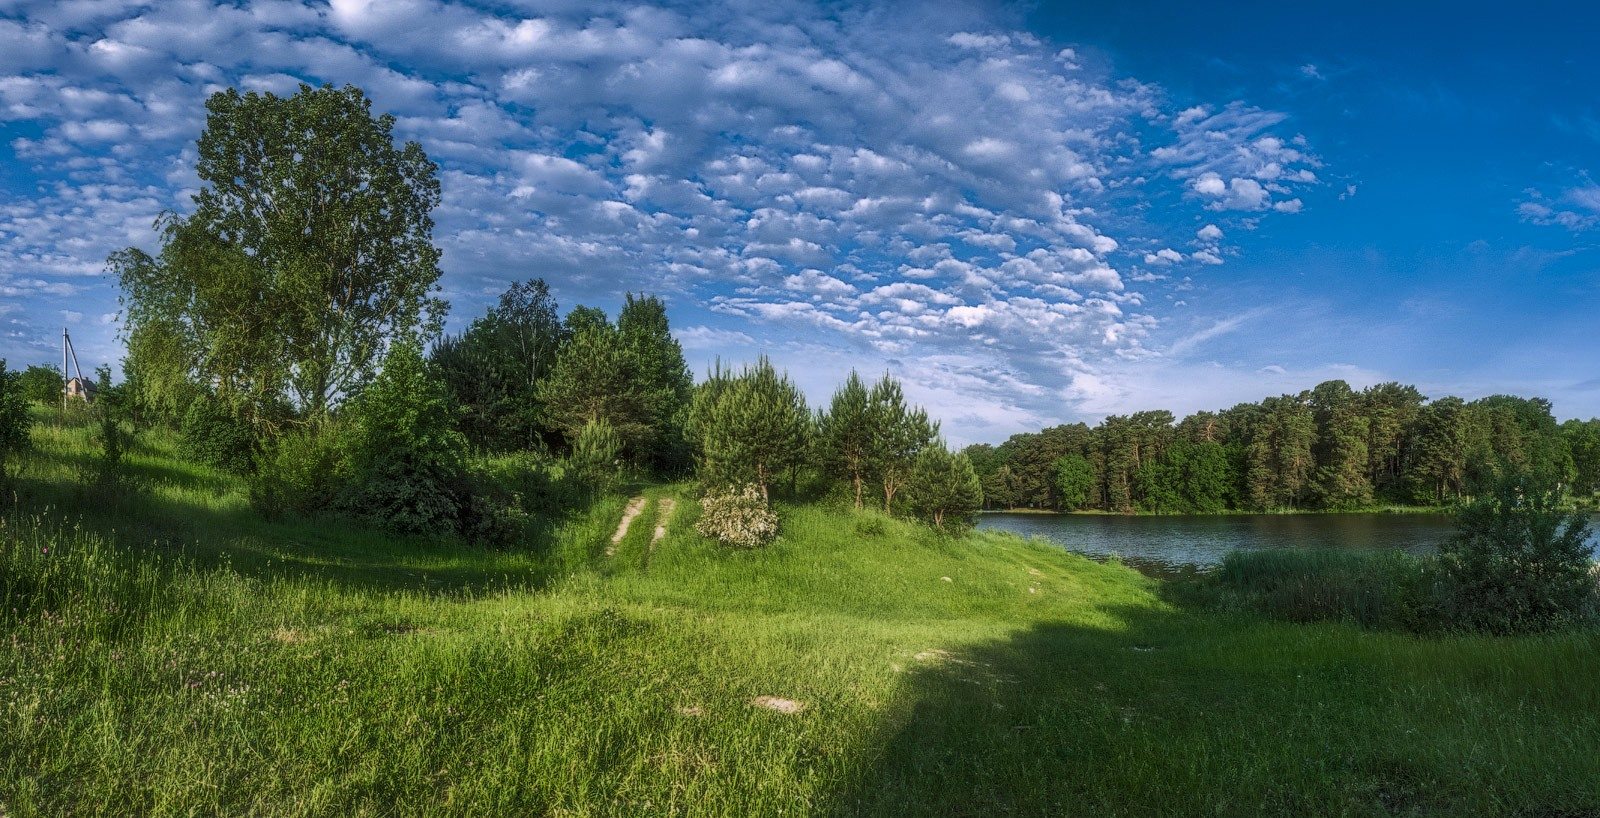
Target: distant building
{"x":80,"y":388}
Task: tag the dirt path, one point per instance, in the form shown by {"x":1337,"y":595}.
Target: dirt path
{"x":663,"y":514}
{"x":635,"y":507}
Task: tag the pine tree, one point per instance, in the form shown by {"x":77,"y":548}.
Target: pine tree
{"x":943,"y":488}
{"x":755,"y":426}
{"x":845,"y":434}
{"x":595,"y":377}
{"x":899,"y":436}
{"x":663,"y":378}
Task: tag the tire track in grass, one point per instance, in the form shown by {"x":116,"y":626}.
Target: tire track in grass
{"x":635,"y":507}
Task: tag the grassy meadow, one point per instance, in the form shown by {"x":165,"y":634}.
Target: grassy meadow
{"x":168,"y":652}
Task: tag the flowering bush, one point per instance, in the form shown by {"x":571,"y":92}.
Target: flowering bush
{"x":738,"y":517}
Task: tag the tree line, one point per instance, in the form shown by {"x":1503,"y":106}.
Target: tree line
{"x":1327,"y":448}
{"x":289,"y":329}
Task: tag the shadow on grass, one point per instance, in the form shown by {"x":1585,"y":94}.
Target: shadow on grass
{"x":1176,"y":714}
{"x":215,"y":528}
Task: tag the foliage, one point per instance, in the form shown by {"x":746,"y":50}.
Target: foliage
{"x":1583,"y":441}
{"x":299,"y":473}
{"x":407,"y":460}
{"x":596,"y":454}
{"x":595,"y":378}
{"x":754,"y":426}
{"x":14,"y":419}
{"x":737,"y":516}
{"x":213,"y":435}
{"x":493,"y":369}
{"x":110,"y":415}
{"x":845,"y":435}
{"x":1330,"y":448}
{"x":310,"y":248}
{"x":1075,"y":483}
{"x":944,"y":489}
{"x":1376,"y":589}
{"x":663,"y":381}
{"x":900,"y":433}
{"x":1518,"y":560}
{"x":42,"y":385}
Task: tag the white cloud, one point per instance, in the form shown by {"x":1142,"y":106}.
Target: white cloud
{"x":937,"y":191}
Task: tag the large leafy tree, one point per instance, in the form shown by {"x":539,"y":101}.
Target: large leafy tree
{"x":845,"y":434}
{"x":309,"y":249}
{"x":13,"y":417}
{"x":1075,"y":482}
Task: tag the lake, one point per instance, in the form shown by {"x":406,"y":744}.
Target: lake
{"x":1162,"y":544}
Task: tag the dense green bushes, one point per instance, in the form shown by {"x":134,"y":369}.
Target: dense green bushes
{"x":1517,"y":563}
{"x":215,"y":436}
{"x":13,"y":417}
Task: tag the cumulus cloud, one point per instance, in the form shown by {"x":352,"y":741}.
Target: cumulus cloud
{"x":933,"y":190}
{"x":1576,"y":208}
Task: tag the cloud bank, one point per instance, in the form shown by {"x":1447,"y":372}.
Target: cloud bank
{"x":939,"y":194}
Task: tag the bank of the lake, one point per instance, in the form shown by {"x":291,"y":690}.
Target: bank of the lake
{"x":171,"y":653}
{"x":1168,"y":542}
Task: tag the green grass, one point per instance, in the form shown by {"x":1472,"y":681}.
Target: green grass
{"x":174,"y":654}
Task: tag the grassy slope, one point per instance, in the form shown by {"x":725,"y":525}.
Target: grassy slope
{"x":329,"y":670}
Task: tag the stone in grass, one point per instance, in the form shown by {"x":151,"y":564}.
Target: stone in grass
{"x":777,"y":704}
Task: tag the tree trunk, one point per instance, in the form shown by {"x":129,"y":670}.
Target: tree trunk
{"x":857,"y":479}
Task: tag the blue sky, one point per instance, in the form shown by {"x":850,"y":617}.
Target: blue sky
{"x":1031,"y":214}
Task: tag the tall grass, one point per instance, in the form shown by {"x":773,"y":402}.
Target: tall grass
{"x":1375,"y":589}
{"x":174,"y":655}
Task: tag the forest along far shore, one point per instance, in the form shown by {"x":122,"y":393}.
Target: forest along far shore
{"x":1327,"y":449}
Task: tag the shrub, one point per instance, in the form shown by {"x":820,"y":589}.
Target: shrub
{"x":737,"y":517}
{"x":215,"y":436}
{"x":407,"y":460}
{"x":42,"y":384}
{"x":1518,"y":560}
{"x":300,"y":473}
{"x":595,"y":454}
{"x":13,"y":416}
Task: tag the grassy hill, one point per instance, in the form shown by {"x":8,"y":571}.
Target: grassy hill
{"x":165,"y":651}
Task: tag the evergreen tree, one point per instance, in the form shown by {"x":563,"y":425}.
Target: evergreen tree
{"x":595,"y":377}
{"x":407,"y":458}
{"x":755,"y":428}
{"x":663,"y":378}
{"x":1340,"y":451}
{"x":943,"y":488}
{"x":1391,"y":410}
{"x":900,"y":434}
{"x":595,"y":453}
{"x":845,"y":434}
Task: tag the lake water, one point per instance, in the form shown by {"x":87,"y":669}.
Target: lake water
{"x":1162,"y":544}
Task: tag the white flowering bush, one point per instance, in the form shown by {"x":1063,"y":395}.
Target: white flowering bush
{"x":737,"y":517}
